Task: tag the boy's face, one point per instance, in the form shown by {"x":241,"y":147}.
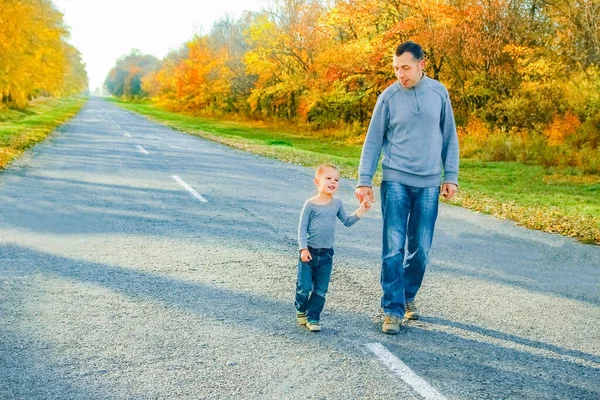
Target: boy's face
{"x":328,"y":181}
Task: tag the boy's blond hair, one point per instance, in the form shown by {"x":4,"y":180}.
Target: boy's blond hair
{"x":324,"y":166}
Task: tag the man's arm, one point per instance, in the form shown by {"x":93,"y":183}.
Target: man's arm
{"x":450,"y":153}
{"x":371,"y":150}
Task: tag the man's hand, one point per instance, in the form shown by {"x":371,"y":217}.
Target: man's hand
{"x":305,"y":255}
{"x":448,"y":190}
{"x":364,"y":193}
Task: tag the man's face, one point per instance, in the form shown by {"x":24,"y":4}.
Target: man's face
{"x":408,"y":70}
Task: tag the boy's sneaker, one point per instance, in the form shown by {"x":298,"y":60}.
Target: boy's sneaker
{"x":301,"y":317}
{"x":313,"y":326}
{"x":391,"y":324}
{"x":412,"y":312}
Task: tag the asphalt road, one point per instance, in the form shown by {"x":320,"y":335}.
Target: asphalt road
{"x":118,"y":282}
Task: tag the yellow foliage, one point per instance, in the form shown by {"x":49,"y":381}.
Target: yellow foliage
{"x":561,"y":127}
{"x":33,"y":53}
{"x":475,"y":129}
{"x":325,"y":63}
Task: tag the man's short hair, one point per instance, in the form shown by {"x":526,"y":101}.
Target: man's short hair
{"x":411,"y":47}
{"x":322,"y":167}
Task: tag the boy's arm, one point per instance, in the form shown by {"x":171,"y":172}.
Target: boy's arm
{"x":303,"y":227}
{"x":349,"y":220}
{"x":364,"y":207}
{"x":303,"y":233}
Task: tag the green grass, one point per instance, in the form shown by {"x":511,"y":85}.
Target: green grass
{"x":529,"y":195}
{"x":244,"y":132}
{"x":526,"y":185}
{"x":21,"y":129}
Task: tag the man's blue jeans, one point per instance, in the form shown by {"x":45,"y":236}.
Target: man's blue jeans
{"x":409,"y":215}
{"x":313,"y":282}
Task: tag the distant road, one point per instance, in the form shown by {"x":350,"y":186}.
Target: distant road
{"x":137,"y":262}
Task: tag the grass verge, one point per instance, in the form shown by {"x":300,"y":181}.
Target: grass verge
{"x":21,"y":129}
{"x":529,"y":195}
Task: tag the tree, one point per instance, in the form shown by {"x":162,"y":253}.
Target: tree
{"x":34,"y":56}
{"x":284,"y":43}
{"x":125,"y":78}
{"x":578,"y":30}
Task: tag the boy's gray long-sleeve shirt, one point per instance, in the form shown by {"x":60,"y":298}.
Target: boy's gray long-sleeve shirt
{"x":317,"y":223}
{"x":415,"y":128}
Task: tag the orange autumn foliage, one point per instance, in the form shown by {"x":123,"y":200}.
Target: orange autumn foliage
{"x":561,"y":127}
{"x":517,"y":91}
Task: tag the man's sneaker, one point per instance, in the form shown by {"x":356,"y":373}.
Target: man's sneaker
{"x":391,"y":324}
{"x":301,"y":317}
{"x":412,"y":312}
{"x":313,"y":326}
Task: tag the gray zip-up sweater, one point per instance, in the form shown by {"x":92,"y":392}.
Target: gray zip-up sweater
{"x":416,"y":130}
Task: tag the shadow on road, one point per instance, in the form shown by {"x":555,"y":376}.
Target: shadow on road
{"x":448,"y":358}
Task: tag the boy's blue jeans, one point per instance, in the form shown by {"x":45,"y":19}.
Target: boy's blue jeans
{"x":313,"y":282}
{"x":409,"y":215}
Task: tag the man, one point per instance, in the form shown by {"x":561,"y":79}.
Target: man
{"x":413,"y":124}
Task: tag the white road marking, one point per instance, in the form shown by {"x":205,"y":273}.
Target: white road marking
{"x":142,"y":150}
{"x":190,"y":189}
{"x":404,"y":371}
{"x":126,"y":134}
{"x":172,"y":146}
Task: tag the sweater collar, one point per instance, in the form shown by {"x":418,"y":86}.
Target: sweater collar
{"x":417,"y":85}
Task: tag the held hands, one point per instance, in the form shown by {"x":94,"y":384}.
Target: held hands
{"x":364,"y":207}
{"x":364,"y":195}
{"x":305,"y":255}
{"x":366,"y":204}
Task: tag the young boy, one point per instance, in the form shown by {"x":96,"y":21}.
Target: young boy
{"x":316,"y":232}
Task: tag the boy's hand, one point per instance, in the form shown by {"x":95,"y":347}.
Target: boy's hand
{"x":305,"y":255}
{"x":364,"y":206}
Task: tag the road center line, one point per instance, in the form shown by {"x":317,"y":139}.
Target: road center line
{"x":190,"y":189}
{"x":404,"y":371}
{"x":142,"y":150}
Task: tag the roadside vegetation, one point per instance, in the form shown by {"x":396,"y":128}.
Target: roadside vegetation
{"x":42,"y":75}
{"x":524,"y":77}
{"x":23,"y":128}
{"x":566,"y":202}
{"x":302,"y":77}
{"x":36,"y":59}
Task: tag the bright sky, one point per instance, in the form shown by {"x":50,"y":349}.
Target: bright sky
{"x":104,"y":30}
